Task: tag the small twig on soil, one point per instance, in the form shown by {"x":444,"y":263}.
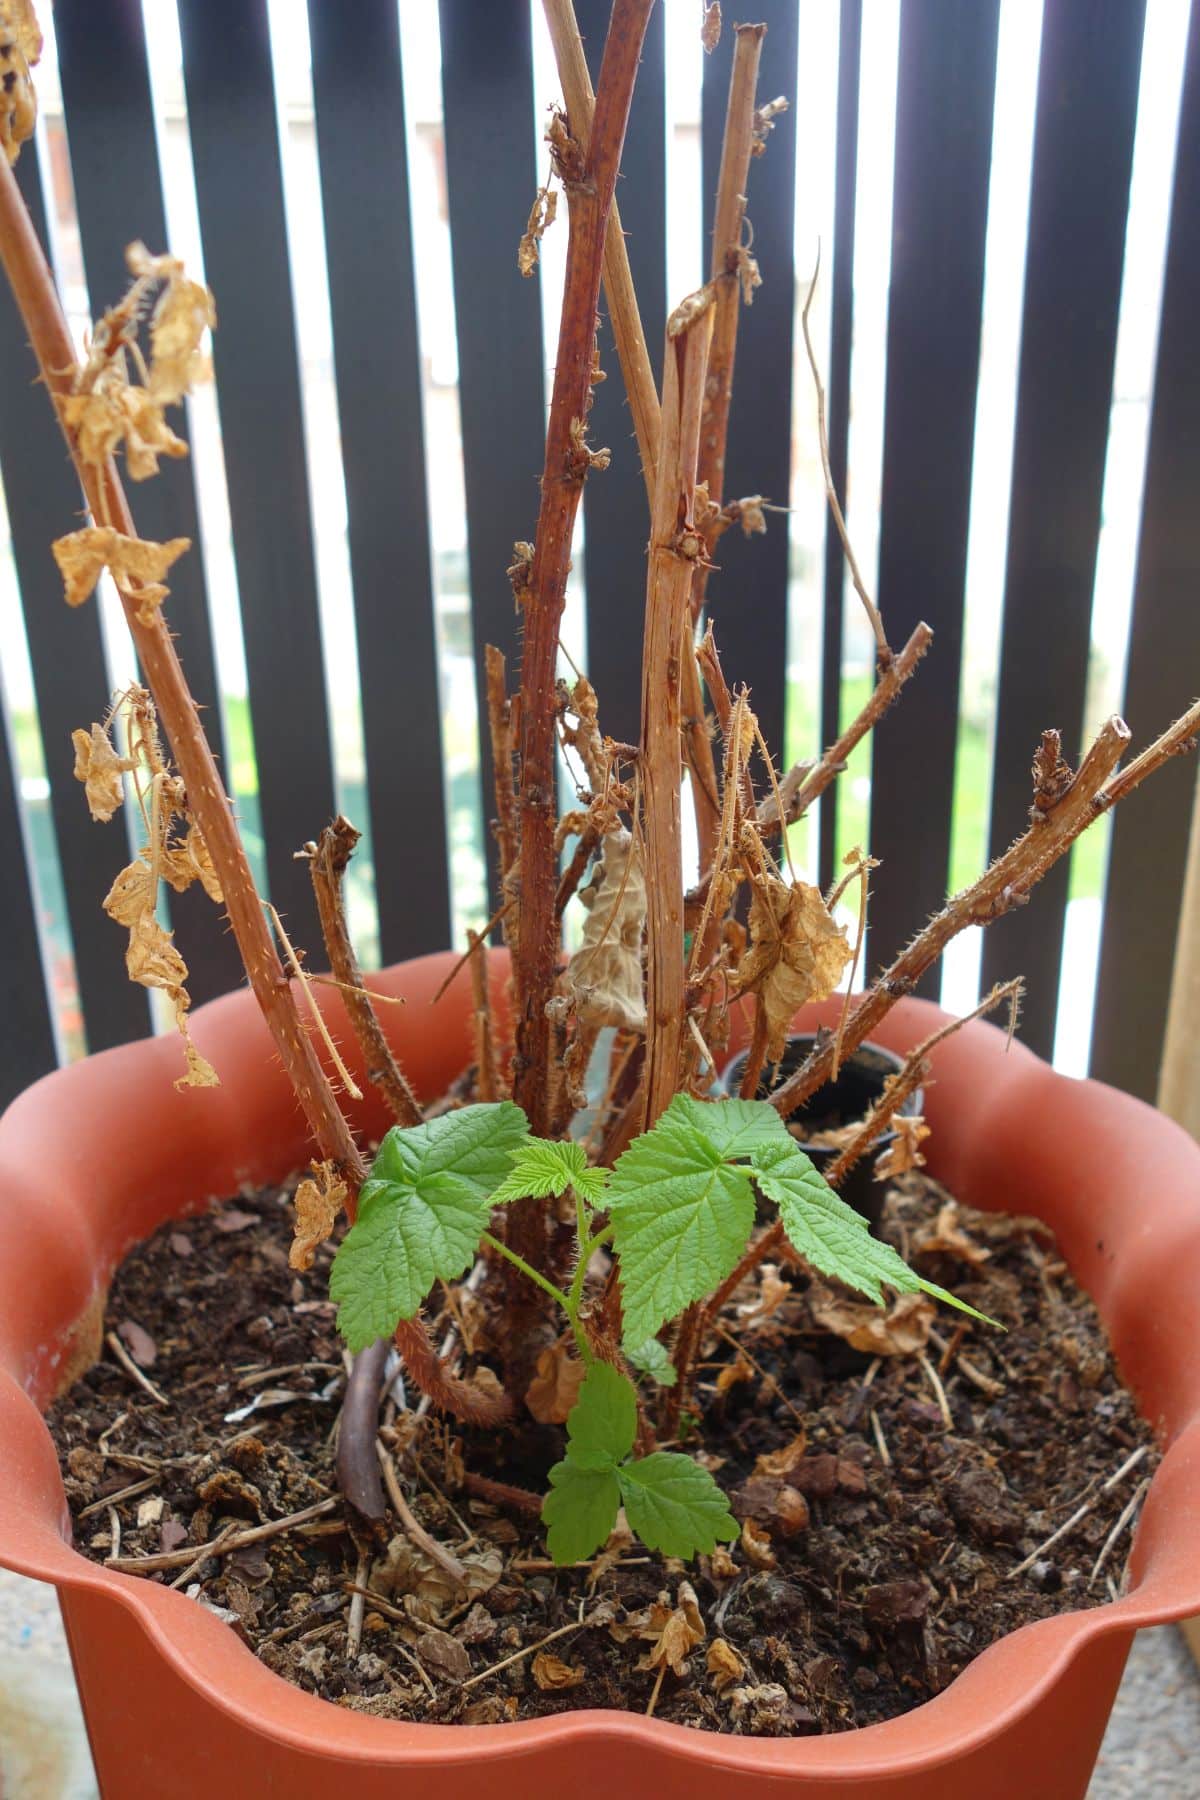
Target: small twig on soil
{"x":436,"y":1552}
{"x":327,"y":861}
{"x":220,"y":1542}
{"x":114,"y":1526}
{"x":175,"y":1559}
{"x":885,"y":1455}
{"x":1127,"y":1513}
{"x":883,"y":649}
{"x":935,"y":1382}
{"x":354,"y":1620}
{"x":357,"y":1468}
{"x":580,"y":1624}
{"x":987,"y":1384}
{"x":125,"y":1493}
{"x":1081,"y":1512}
{"x":131,"y":1369}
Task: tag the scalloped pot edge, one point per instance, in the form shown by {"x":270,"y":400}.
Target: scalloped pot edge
{"x":94,"y":1157}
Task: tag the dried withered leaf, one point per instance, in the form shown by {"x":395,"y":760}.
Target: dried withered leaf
{"x":20,"y":50}
{"x":903,"y":1153}
{"x":541,"y":216}
{"x":782,"y":1462}
{"x":444,"y":1653}
{"x":555,"y":1387}
{"x":780,"y":1509}
{"x":100,"y":769}
{"x":898,"y":1330}
{"x":721,"y":1565}
{"x":773,"y":1290}
{"x":946,"y":1237}
{"x":749,"y":278}
{"x":131,"y":894}
{"x":320,"y":1197}
{"x":724,"y":1664}
{"x":732,"y":1373}
{"x":185,"y":311}
{"x":135,"y":563}
{"x":673,"y":1631}
{"x":190,"y":861}
{"x":797,"y":953}
{"x":604,"y":976}
{"x":757,"y":1545}
{"x":751,"y":516}
{"x":553,"y":1675}
{"x":710,"y":30}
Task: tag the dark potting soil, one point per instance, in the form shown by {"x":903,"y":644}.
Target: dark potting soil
{"x":890,"y":1499}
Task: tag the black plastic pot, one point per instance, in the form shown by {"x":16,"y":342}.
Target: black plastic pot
{"x":841,"y":1102}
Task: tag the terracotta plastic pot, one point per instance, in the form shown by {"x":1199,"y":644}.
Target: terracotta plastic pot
{"x":93,"y":1158}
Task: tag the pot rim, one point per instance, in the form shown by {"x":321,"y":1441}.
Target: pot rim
{"x":73,"y":1214}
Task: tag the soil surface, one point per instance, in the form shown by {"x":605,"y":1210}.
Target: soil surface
{"x":894,"y":1473}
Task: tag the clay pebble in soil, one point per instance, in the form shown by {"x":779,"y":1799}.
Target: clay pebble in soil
{"x":886,"y":1498}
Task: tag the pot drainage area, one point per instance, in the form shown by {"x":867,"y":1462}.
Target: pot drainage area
{"x":1153,"y":1736}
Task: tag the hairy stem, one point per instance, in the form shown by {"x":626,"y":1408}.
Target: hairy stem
{"x":328,"y":860}
{"x":674,"y":545}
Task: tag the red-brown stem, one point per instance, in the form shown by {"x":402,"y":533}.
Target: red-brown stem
{"x":736,"y":148}
{"x":674,"y":544}
{"x":328,"y":859}
{"x":37,"y":300}
{"x":589,"y":198}
{"x":449,"y":1393}
{"x":501,"y":1494}
{"x":488,"y":1084}
{"x":500,"y":731}
{"x":1005,"y":884}
{"x":756,"y":1056}
{"x":643,"y":401}
{"x":357,"y":1463}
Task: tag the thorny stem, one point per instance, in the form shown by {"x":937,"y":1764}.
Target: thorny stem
{"x":328,"y":860}
{"x":1005,"y":884}
{"x":644,"y":406}
{"x":500,"y":730}
{"x":589,"y":185}
{"x":674,"y":545}
{"x":736,"y":150}
{"x":539,"y":1280}
{"x":37,"y":300}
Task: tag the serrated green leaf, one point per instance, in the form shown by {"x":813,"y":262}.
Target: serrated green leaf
{"x":653,"y":1359}
{"x":674,"y":1505}
{"x":602,"y":1424}
{"x":420,"y":1215}
{"x":948,"y":1299}
{"x":580,"y":1510}
{"x":733,"y":1128}
{"x":831,"y":1235}
{"x":678,"y":1229}
{"x":541,"y":1167}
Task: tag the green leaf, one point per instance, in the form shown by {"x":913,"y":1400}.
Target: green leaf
{"x":733,"y":1128}
{"x":420,"y":1215}
{"x":831,"y":1235}
{"x":580,"y":1510}
{"x":541,"y":1167}
{"x":674,"y":1505}
{"x":602,"y":1424}
{"x":653,"y":1359}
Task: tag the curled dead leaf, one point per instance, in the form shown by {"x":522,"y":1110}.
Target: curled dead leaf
{"x":137,"y":566}
{"x":724,"y":1664}
{"x":732,"y":1373}
{"x":541,"y":217}
{"x":903,"y":1153}
{"x":773,"y":1290}
{"x":797,"y":953}
{"x":757,"y":1545}
{"x":604,"y":976}
{"x":710,"y":30}
{"x":320,"y":1197}
{"x":900,"y":1329}
{"x":555,"y":1387}
{"x":782,"y":1462}
{"x":772,"y":1503}
{"x":946,"y":1237}
{"x":20,"y":50}
{"x":721,"y":1565}
{"x":553,"y":1675}
{"x":673,"y":1631}
{"x":100,"y":769}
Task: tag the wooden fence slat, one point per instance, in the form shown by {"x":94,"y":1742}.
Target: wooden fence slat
{"x":66,"y":653}
{"x":27,"y":1045}
{"x":492,"y":176}
{"x":358,"y":89}
{"x":747,"y":597}
{"x":944,"y":108}
{"x":239,"y":193}
{"x":1150,"y":834}
{"x":118,"y":197}
{"x":1083,"y":150}
{"x":616,"y":515}
{"x":841,"y":301}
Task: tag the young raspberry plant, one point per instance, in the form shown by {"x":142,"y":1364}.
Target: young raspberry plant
{"x":678,"y":1210}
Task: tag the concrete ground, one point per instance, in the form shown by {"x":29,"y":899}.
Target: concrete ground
{"x":1153,"y":1737}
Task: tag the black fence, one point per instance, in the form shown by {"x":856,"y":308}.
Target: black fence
{"x":1088,"y":89}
